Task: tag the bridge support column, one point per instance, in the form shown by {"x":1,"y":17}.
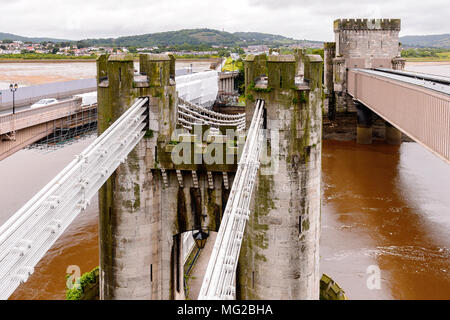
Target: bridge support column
{"x":280,"y":251}
{"x":392,"y":135}
{"x":364,"y":124}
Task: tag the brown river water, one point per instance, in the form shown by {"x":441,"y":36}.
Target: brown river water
{"x":383,"y":206}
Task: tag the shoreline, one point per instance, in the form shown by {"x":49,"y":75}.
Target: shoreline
{"x":45,"y":60}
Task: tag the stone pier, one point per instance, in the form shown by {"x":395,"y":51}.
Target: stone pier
{"x":280,"y":252}
{"x":392,"y":135}
{"x":364,"y":124}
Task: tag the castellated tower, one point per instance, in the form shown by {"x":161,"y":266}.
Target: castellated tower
{"x":280,"y":253}
{"x":360,"y":43}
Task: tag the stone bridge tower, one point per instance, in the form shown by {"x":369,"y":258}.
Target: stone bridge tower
{"x":280,"y":253}
{"x":148,"y":202}
{"x":366,"y":44}
{"x":359,"y":43}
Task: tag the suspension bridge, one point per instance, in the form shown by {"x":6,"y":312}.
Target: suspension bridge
{"x":267,"y":214}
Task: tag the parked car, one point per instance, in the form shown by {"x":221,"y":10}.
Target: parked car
{"x":43,"y":103}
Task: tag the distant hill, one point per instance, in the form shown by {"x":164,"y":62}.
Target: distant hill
{"x":208,"y":37}
{"x":193,"y":37}
{"x":261,"y":38}
{"x":428,"y":41}
{"x":10,"y":36}
{"x":170,"y":38}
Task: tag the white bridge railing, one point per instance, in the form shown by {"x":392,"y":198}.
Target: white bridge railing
{"x":31,"y":231}
{"x":218,"y":282}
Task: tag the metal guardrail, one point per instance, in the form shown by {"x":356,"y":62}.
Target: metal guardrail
{"x":218,"y":282}
{"x":31,"y":117}
{"x":31,"y":231}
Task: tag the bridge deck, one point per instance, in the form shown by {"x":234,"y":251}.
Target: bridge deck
{"x":413,"y":103}
{"x":28,"y":118}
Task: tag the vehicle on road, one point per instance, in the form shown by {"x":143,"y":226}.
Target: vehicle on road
{"x":43,"y":103}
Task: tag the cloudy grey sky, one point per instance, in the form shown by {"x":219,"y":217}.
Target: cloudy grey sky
{"x":300,"y":19}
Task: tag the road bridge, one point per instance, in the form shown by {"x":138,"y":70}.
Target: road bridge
{"x":26,"y":127}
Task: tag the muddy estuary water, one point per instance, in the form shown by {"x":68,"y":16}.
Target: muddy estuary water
{"x":385,"y":207}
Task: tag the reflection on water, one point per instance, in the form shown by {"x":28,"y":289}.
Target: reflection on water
{"x":371,"y":216}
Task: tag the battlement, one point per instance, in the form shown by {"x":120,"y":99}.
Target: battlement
{"x":367,"y":24}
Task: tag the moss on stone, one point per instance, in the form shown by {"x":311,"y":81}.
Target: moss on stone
{"x":137,"y":196}
{"x":133,"y":161}
{"x":86,"y":282}
{"x":149,"y":134}
{"x":305,"y":225}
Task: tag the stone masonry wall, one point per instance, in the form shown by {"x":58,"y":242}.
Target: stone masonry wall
{"x":280,"y":252}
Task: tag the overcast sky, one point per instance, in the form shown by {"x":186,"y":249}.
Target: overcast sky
{"x":300,"y":19}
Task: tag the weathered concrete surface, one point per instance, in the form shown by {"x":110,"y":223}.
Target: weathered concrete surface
{"x":280,"y":252}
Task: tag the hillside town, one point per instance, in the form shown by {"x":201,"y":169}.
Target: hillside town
{"x":78,"y":49}
{"x":62,"y":48}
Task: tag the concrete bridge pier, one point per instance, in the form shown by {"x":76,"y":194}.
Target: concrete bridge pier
{"x":280,"y":252}
{"x":392,"y":135}
{"x":364,"y":124}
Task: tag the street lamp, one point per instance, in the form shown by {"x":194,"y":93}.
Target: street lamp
{"x":200,"y":237}
{"x":13,"y":88}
